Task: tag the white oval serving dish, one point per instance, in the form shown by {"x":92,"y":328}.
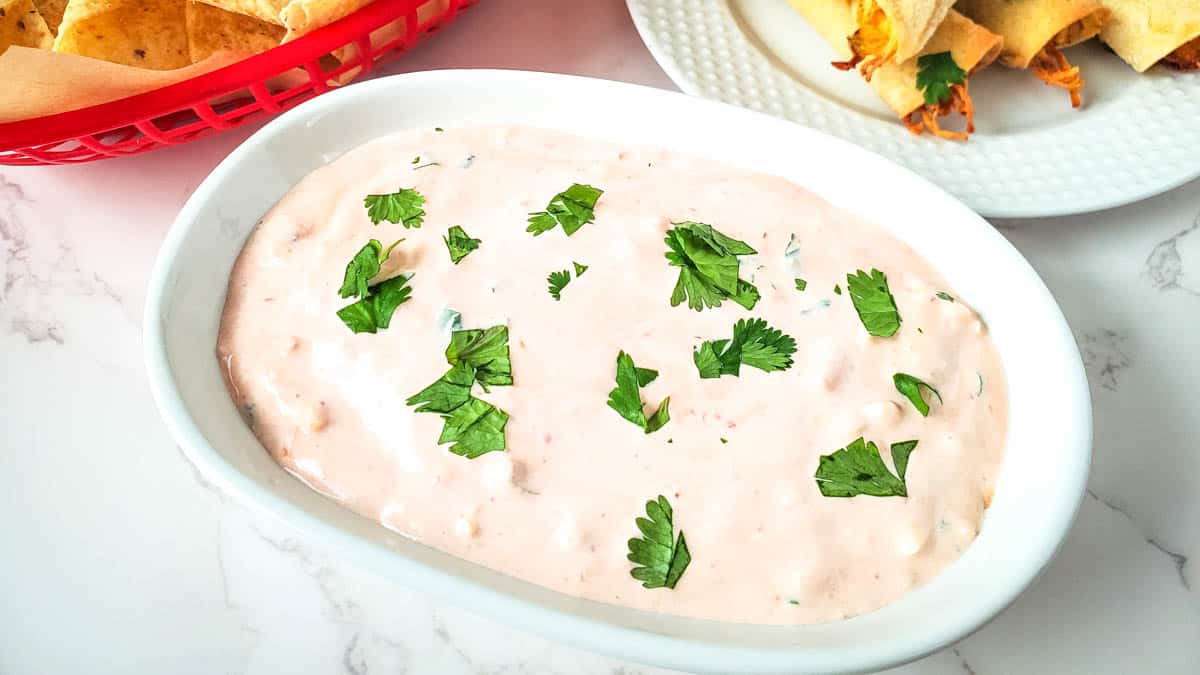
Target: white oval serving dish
{"x":1049,"y":446}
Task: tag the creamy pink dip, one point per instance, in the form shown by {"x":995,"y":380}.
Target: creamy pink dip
{"x":559,"y":505}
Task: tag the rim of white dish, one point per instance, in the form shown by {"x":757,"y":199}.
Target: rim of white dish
{"x":1136,"y":148}
{"x":592,"y":634}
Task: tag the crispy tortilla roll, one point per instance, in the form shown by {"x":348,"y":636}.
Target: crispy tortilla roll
{"x":887,"y":31}
{"x":1035,"y":30}
{"x":143,"y":33}
{"x":1146,"y":32}
{"x":211,"y":29}
{"x":22,"y":25}
{"x":970,"y":45}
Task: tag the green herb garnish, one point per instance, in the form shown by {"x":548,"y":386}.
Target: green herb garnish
{"x":626,"y":398}
{"x":363,"y":267}
{"x":402,"y":207}
{"x":572,"y":208}
{"x":911,"y":388}
{"x":837,"y":289}
{"x":484,"y":350}
{"x":857,"y":469}
{"x":558,"y":281}
{"x":874,"y":302}
{"x":472,"y":426}
{"x":936,"y":73}
{"x":449,"y":392}
{"x":945,"y":296}
{"x":459,"y":243}
{"x":659,"y":556}
{"x":708,"y":267}
{"x":801,"y":284}
{"x":579,"y":269}
{"x":374,"y":312}
{"x":754,"y":344}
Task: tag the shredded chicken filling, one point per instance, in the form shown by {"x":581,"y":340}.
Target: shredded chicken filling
{"x":1051,"y":66}
{"x":1084,"y":29}
{"x":926,"y":118}
{"x":873,"y":44}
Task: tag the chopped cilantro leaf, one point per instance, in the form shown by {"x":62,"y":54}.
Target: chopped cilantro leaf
{"x":837,"y":289}
{"x":857,"y":469}
{"x":945,"y":296}
{"x":626,"y":398}
{"x":417,"y":159}
{"x":572,"y":208}
{"x":474,"y":428}
{"x":448,"y":393}
{"x":374,"y":312}
{"x":459,"y":243}
{"x":486,"y":351}
{"x":708,"y":265}
{"x":403,"y":206}
{"x":801,"y":284}
{"x":874,"y":302}
{"x":558,"y":281}
{"x":911,"y":388}
{"x":659,"y":557}
{"x":754,"y":344}
{"x":579,"y":269}
{"x":363,"y":267}
{"x":935,"y":75}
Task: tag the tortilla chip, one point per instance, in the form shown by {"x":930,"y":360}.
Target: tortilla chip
{"x":211,"y":29}
{"x":142,"y":33}
{"x":298,"y":16}
{"x":22,"y":25}
{"x":52,"y":12}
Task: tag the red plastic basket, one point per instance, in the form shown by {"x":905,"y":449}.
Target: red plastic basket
{"x":220,"y":99}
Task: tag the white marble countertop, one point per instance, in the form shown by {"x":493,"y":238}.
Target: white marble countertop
{"x":116,"y":558}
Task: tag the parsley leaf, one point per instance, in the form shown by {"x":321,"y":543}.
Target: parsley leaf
{"x":708,"y":265}
{"x":874,"y":302}
{"x":754,"y":344}
{"x":911,"y":388}
{"x":579,"y":269}
{"x":403,"y":206}
{"x":558,"y":281}
{"x":363,"y":267}
{"x":475,"y":428}
{"x":935,"y":74}
{"x":801,"y":284}
{"x":572,"y":208}
{"x":459,"y":243}
{"x":484,"y":350}
{"x":660,"y":558}
{"x":857,"y":469}
{"x":626,"y":398}
{"x":373,"y":312}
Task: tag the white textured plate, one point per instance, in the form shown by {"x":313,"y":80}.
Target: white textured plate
{"x":1031,"y":155}
{"x":1049,"y":442}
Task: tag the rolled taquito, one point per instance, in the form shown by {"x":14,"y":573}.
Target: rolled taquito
{"x":1035,"y":30}
{"x":970,"y":45}
{"x":890,"y":31}
{"x":1147,"y":32}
